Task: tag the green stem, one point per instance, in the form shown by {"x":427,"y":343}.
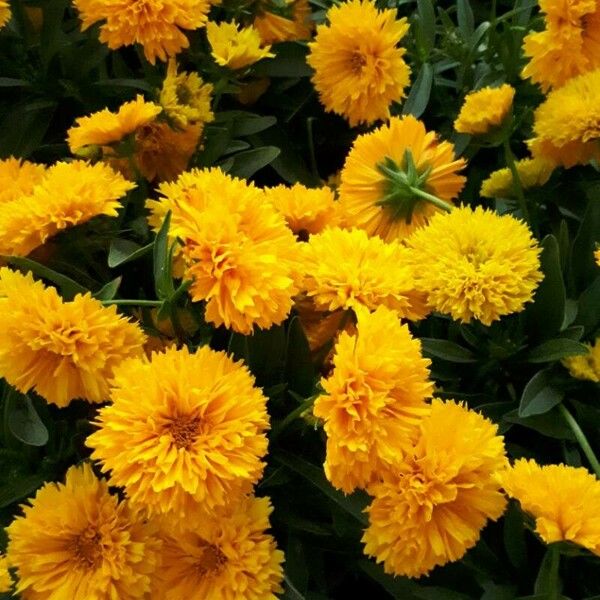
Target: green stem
{"x":581,"y":439}
{"x":433,"y":199}
{"x":291,"y":417}
{"x":553,"y":577}
{"x":132,"y":302}
{"x":517,"y":187}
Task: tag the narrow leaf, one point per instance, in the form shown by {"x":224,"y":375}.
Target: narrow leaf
{"x":124,"y":251}
{"x":556,"y":349}
{"x":539,"y":395}
{"x":447,"y":351}
{"x":419,"y":95}
{"x":163,"y":282}
{"x":23,"y":421}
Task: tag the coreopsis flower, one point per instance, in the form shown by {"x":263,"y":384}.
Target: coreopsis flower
{"x":359,"y":67}
{"x":485,"y":110}
{"x":533,"y":172}
{"x":568,"y":46}
{"x":233,"y":47}
{"x":6,"y":581}
{"x":105,"y":127}
{"x":76,"y":540}
{"x":373,"y":399}
{"x":306,"y":210}
{"x":563,"y":501}
{"x":5,"y":13}
{"x":154,"y":24}
{"x":69,"y":194}
{"x":430,"y":509}
{"x":319,"y":327}
{"x":566,"y":123}
{"x":62,"y":350}
{"x":476,"y":264}
{"x":597,"y":256}
{"x":239,"y":254}
{"x":228,"y":556}
{"x":288,"y":23}
{"x":586,"y":366}
{"x":18,"y":178}
{"x":185,"y":98}
{"x":183,"y":432}
{"x":382,"y":170}
{"x":347,"y":269}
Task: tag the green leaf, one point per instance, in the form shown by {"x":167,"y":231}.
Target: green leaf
{"x":23,"y":421}
{"x":124,"y":251}
{"x":539,"y":395}
{"x":353,"y":504}
{"x":418,"y":98}
{"x":550,"y":424}
{"x":588,"y":313}
{"x":163,"y":281}
{"x":545,"y":315}
{"x":548,"y":578}
{"x":447,"y":351}
{"x":426,"y":28}
{"x":136,"y":84}
{"x":583,"y":265}
{"x":514,"y":537}
{"x":556,"y":349}
{"x":109,"y":290}
{"x":399,"y":588}
{"x":290,"y":61}
{"x":68,"y":288}
{"x":246,"y":163}
{"x":466,"y":21}
{"x":20,"y":488}
{"x":11,"y":82}
{"x":300,"y":373}
{"x":216,"y":140}
{"x":251,"y":125}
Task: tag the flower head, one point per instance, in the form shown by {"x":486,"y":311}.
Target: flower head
{"x":374,"y":397}
{"x":430,"y":509}
{"x":485,"y":110}
{"x":377,"y":201}
{"x":62,"y":350}
{"x":185,"y":98}
{"x":184,"y":431}
{"x":76,"y":540}
{"x":347,"y":269}
{"x":287,"y":23}
{"x":359,"y":69}
{"x":568,"y":46}
{"x":239,"y":254}
{"x":476,"y":264}
{"x":533,"y":172}
{"x":586,"y":366}
{"x":306,"y":210}
{"x":6,"y":581}
{"x":563,"y":501}
{"x":223,"y":557}
{"x":233,"y":47}
{"x":567,"y":123}
{"x":155,"y":24}
{"x":5,"y":13}
{"x":18,"y":178}
{"x":105,"y":127}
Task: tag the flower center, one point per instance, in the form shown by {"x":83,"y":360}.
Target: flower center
{"x":184,"y":430}
{"x":357,"y":62}
{"x":88,"y":549}
{"x":211,"y":561}
{"x":184,"y":96}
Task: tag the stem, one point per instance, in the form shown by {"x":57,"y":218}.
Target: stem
{"x":297,"y":412}
{"x":554,"y":591}
{"x":581,"y":439}
{"x":433,"y":199}
{"x":132,"y":302}
{"x":517,"y":187}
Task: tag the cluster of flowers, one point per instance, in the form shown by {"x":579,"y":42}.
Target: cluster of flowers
{"x":184,"y":433}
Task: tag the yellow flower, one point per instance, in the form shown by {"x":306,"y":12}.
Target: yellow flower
{"x":568,"y":46}
{"x":6,"y":581}
{"x":306,"y":210}
{"x":18,"y":178}
{"x":476,"y":264}
{"x":319,"y":327}
{"x":347,"y":269}
{"x":185,"y":98}
{"x":373,"y":201}
{"x":359,"y":69}
{"x":184,"y":431}
{"x":239,"y":253}
{"x":563,"y":501}
{"x":5,"y":13}
{"x":597,"y":256}
{"x":77,"y":541}
{"x":287,"y":24}
{"x":430,"y":510}
{"x":62,"y":350}
{"x":233,"y":47}
{"x":69,"y":194}
{"x":533,"y":172}
{"x":229,"y":556}
{"x":155,"y":24}
{"x":162,"y":152}
{"x":567,"y":123}
{"x":374,"y":397}
{"x":105,"y":127}
{"x":586,"y":366}
{"x":484,"y":110}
